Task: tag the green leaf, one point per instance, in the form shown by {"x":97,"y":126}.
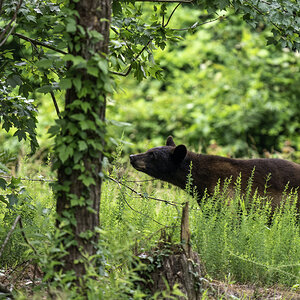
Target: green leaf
{"x":96,"y":35}
{"x":44,"y":63}
{"x":82,"y":145}
{"x":20,"y":134}
{"x":53,"y":130}
{"x":86,"y":180}
{"x":65,"y":83}
{"x":93,"y":71}
{"x":77,"y":83}
{"x":64,"y":153}
{"x":71,"y":25}
{"x":103,"y":65}
{"x":45,"y":89}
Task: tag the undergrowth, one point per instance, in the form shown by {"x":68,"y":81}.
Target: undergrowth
{"x":235,"y":233}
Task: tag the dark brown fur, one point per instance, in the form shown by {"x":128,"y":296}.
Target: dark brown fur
{"x":172,"y":164}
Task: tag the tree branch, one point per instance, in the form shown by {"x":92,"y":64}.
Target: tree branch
{"x":11,"y":21}
{"x":134,"y":59}
{"x":55,"y":104}
{"x":140,"y":194}
{"x":124,"y":74}
{"x":197,"y":25}
{"x":172,"y":14}
{"x":119,"y":184}
{"x":35,"y":42}
{"x":7,"y":36}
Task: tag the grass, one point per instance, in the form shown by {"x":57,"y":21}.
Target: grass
{"x":235,"y":244}
{"x":230,"y":241}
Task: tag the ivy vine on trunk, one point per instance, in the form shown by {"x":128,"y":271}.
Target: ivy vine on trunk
{"x":80,"y":144}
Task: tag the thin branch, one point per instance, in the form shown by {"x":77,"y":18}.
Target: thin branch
{"x":9,"y":234}
{"x":171,"y":15}
{"x":134,"y":59}
{"x":35,"y":42}
{"x":7,"y":36}
{"x":122,"y":74}
{"x":11,"y":21}
{"x":140,"y":194}
{"x":197,"y":25}
{"x":119,"y":184}
{"x":29,"y":179}
{"x":262,"y":13}
{"x":55,"y":104}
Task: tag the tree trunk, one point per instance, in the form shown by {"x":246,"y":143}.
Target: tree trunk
{"x":82,"y":131}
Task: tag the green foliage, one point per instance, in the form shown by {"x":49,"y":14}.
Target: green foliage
{"x":36,"y":217}
{"x":242,"y":243}
{"x":35,"y":38}
{"x":219,"y":87}
{"x":235,"y":239}
{"x":282,"y":15}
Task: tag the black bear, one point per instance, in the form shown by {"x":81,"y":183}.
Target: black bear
{"x":171,"y":163}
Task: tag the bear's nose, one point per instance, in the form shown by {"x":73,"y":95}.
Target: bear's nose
{"x":131,"y":158}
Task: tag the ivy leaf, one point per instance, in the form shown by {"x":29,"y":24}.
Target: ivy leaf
{"x":82,"y":145}
{"x":86,"y":180}
{"x":93,"y":71}
{"x":71,"y":25}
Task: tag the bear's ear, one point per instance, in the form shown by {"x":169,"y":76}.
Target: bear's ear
{"x":179,"y":153}
{"x":170,"y":141}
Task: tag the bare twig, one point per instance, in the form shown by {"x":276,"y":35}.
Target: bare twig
{"x":9,"y":234}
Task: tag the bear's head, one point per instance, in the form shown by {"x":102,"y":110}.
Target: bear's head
{"x":160,"y":162}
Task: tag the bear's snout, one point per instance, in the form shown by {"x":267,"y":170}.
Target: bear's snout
{"x":137,"y":161}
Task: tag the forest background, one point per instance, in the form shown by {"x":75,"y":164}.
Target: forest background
{"x":221,"y":90}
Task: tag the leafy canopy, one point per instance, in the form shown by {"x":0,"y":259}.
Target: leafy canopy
{"x":34,"y":37}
